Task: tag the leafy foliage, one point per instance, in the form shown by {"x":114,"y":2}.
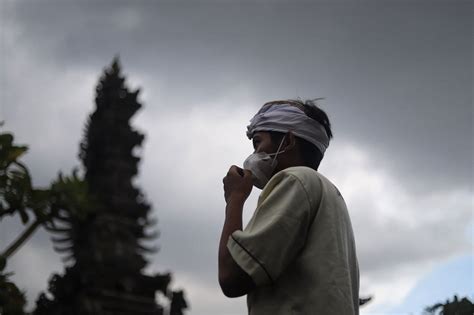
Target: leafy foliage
{"x":12,"y":300}
{"x":66,"y":195}
{"x":456,"y":307}
{"x":16,"y":193}
{"x":364,"y":301}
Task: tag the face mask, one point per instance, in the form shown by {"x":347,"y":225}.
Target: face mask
{"x":262,"y":165}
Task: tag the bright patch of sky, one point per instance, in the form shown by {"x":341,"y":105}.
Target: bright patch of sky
{"x":455,"y":276}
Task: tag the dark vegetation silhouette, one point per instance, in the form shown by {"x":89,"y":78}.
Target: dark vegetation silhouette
{"x":455,"y":307}
{"x":100,"y":222}
{"x":364,"y":301}
{"x":107,"y":246}
{"x":36,"y":208}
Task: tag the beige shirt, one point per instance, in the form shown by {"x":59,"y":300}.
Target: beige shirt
{"x":299,"y":248}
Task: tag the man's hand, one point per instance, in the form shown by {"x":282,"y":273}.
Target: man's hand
{"x":237,"y":184}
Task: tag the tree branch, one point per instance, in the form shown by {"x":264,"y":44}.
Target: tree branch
{"x":21,"y":239}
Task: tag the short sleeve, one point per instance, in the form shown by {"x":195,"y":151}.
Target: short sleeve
{"x":276,"y":232}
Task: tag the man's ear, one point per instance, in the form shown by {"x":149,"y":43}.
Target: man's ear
{"x":290,"y":141}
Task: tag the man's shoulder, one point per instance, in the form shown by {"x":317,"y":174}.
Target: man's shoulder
{"x":303,"y":173}
{"x":308,"y":177}
{"x":289,"y":178}
{"x":304,"y":177}
{"x":301,"y":176}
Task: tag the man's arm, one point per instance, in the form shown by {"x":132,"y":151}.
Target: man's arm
{"x":233,"y":280}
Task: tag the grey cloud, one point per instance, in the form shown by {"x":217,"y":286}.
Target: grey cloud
{"x":397,"y":77}
{"x":400,"y":243}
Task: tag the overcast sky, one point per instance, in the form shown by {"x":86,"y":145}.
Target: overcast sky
{"x":397,"y":81}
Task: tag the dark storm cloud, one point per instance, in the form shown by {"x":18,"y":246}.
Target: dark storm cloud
{"x":397,"y":75}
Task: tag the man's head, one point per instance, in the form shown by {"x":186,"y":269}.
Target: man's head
{"x":289,"y":133}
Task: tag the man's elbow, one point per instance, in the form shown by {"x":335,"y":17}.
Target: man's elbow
{"x":231,"y":287}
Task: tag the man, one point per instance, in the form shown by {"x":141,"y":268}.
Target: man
{"x":297,"y":254}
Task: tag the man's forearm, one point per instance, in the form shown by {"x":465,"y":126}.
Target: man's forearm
{"x":233,"y":219}
{"x":233,"y":280}
{"x":232,"y":222}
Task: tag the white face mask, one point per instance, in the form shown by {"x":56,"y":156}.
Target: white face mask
{"x":262,"y":165}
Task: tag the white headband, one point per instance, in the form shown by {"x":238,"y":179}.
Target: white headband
{"x":284,"y":118}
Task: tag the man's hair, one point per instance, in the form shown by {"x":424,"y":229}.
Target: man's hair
{"x":311,"y":155}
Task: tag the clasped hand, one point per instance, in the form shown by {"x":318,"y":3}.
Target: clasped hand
{"x":237,"y":184}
